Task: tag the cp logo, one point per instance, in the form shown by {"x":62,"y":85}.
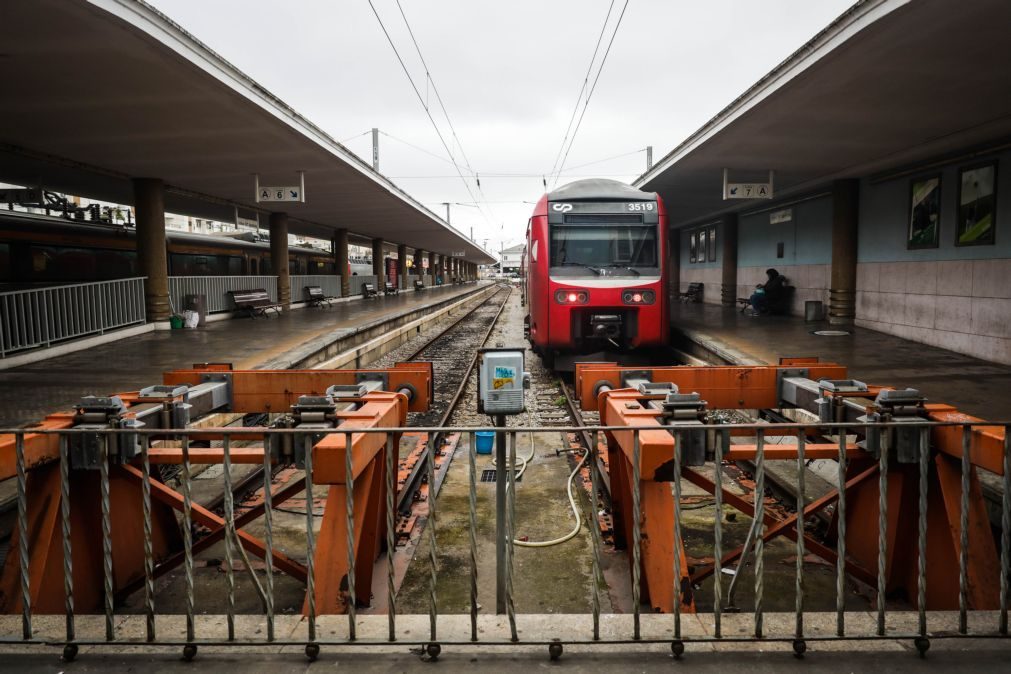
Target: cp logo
{"x":562,"y":208}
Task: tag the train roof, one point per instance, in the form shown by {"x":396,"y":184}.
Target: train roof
{"x":56,"y":224}
{"x":599,"y":189}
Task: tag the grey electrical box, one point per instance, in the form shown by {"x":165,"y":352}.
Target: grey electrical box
{"x":501,"y":380}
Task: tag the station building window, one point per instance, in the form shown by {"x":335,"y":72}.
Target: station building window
{"x":188,"y":264}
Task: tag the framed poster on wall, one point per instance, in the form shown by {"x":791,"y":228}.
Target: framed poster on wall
{"x":924,"y":212}
{"x":712,"y":244}
{"x":702,"y":245}
{"x":977,"y":201}
{"x":693,"y":246}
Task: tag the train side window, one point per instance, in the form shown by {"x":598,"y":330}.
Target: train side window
{"x":253,"y":271}
{"x":533,"y":251}
{"x":234,"y":265}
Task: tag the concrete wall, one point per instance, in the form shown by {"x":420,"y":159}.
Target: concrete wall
{"x":953,"y":297}
{"x":807,"y":250}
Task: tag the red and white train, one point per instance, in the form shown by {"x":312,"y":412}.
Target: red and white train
{"x":595,"y":273}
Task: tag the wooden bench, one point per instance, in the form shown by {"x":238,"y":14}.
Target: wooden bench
{"x":419,"y":285}
{"x":390,"y":289}
{"x":368,"y":290}
{"x":315,"y":297}
{"x":255,"y":302}
{"x":693,"y":294}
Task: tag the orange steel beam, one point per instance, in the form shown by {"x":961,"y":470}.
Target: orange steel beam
{"x":207,"y":455}
{"x":723,"y":387}
{"x":628,"y":408}
{"x":785,"y":527}
{"x":206,"y":518}
{"x":278,"y":390}
{"x":39,"y":448}
{"x":785,"y":452}
{"x":378,"y":410}
{"x":173,"y":561}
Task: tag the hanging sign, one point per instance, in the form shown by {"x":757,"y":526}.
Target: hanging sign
{"x":283,"y":193}
{"x":750,"y":190}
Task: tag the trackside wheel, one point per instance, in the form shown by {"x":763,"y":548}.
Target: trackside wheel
{"x":677,"y":648}
{"x":555,"y":650}
{"x":548,"y":359}
{"x":433,"y":651}
{"x":189,"y":652}
{"x":69,"y":652}
{"x":312,"y":652}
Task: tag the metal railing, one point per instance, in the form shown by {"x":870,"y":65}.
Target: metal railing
{"x":916,"y":624}
{"x":216,"y":288}
{"x":356,"y":283}
{"x":40,"y":317}
{"x":330,"y":284}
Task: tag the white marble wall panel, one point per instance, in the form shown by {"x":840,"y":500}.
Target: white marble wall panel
{"x":961,"y":305}
{"x":810,"y":282}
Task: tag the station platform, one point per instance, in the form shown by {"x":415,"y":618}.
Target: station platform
{"x":30,"y":392}
{"x":975,"y":386}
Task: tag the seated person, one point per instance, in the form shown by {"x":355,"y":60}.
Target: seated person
{"x":769,"y":293}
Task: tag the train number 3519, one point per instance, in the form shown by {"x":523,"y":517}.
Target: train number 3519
{"x":641,"y":206}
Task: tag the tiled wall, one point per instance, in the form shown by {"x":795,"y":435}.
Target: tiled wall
{"x":961,"y":305}
{"x":811,"y":282}
{"x":712,"y":277}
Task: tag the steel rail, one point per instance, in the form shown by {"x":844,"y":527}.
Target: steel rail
{"x":406,"y":495}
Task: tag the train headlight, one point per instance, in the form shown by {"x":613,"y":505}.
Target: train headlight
{"x":638,"y":297}
{"x":572,"y":297}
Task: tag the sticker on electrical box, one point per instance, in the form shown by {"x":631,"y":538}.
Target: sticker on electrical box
{"x":503,"y":376}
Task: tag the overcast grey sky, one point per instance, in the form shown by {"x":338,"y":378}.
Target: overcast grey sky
{"x":509,"y":74}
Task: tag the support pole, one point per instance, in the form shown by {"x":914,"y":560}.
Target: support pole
{"x":431,"y":266}
{"x":341,"y":241}
{"x":501,"y":542}
{"x":279,"y":258}
{"x":845,"y":216}
{"x":419,"y":264}
{"x":149,"y":200}
{"x":402,"y":267}
{"x":728,"y":234}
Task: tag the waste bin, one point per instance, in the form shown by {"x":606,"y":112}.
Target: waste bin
{"x":814,"y":310}
{"x":197,"y":303}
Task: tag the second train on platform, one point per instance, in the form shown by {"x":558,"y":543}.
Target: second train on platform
{"x":595,"y":273}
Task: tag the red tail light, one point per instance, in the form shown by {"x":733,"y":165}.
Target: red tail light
{"x":572,"y":297}
{"x":638,"y":297}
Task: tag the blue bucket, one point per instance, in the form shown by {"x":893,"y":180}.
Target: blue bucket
{"x":485,"y":441}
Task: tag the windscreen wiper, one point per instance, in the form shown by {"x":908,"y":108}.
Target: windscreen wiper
{"x":581,"y":264}
{"x":622,"y":266}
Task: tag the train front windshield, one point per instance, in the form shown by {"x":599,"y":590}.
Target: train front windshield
{"x":594,"y":247}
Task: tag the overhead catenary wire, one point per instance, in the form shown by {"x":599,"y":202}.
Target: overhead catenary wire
{"x":586,"y":81}
{"x":424,"y":105}
{"x":593,"y":87}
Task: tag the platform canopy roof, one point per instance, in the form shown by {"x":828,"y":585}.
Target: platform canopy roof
{"x":890,"y":85}
{"x":96,"y":92}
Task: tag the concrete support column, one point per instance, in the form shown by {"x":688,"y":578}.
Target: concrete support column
{"x":401,"y":266}
{"x":378,"y":267}
{"x":728,"y":249}
{"x":279,"y":258}
{"x":674,"y":264}
{"x":431,"y":265}
{"x":149,"y":202}
{"x":845,"y":216}
{"x":341,"y":250}
{"x":419,"y":263}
